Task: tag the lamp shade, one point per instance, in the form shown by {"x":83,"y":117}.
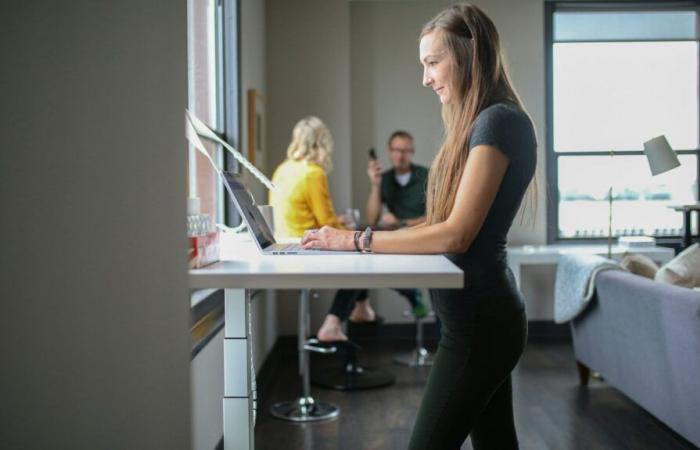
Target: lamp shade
{"x":660,"y":155}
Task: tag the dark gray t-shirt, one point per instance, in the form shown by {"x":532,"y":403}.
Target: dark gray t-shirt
{"x":509,"y":129}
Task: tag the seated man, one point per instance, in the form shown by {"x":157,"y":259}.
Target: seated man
{"x":402,"y":190}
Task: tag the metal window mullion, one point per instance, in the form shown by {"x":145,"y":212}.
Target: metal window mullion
{"x":613,"y":41}
{"x":191,"y":151}
{"x":697,"y":153}
{"x":623,"y":6}
{"x":220,"y":110}
{"x":231,"y":91}
{"x":552,"y":180}
{"x":621,"y":152}
{"x":587,"y":6}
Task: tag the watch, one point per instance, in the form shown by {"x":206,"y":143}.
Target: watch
{"x":367,"y":241}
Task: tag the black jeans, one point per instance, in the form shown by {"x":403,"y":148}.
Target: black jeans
{"x":345,"y":299}
{"x":469,"y":391}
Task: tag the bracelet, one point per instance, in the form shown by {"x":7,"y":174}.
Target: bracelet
{"x":356,"y":240}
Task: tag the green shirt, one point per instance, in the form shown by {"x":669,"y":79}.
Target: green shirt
{"x":405,"y":202}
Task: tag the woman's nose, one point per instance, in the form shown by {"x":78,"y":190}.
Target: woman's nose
{"x":427,"y":81}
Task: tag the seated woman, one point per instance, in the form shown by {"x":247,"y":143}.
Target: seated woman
{"x":302,"y":202}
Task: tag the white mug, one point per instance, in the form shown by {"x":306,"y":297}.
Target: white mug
{"x":266,"y":211}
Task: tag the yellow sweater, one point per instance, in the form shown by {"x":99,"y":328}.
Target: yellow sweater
{"x":301,"y":200}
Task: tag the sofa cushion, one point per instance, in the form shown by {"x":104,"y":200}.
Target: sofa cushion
{"x":683,"y":270}
{"x":639,"y":265}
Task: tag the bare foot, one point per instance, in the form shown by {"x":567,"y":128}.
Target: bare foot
{"x":363,"y":312}
{"x":331,"y":330}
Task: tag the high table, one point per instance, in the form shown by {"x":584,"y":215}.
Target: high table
{"x":243,"y":269}
{"x":686,"y":210}
{"x":550,"y":254}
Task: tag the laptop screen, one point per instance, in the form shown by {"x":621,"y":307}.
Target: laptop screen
{"x":251,"y":214}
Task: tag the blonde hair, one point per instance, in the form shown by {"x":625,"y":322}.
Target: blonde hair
{"x":480,"y":79}
{"x":312,"y":142}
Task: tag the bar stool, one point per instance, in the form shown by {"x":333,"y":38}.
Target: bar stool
{"x":419,"y":357}
{"x":306,"y":408}
{"x":352,"y":376}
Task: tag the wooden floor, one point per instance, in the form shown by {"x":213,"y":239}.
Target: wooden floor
{"x":551,"y":410}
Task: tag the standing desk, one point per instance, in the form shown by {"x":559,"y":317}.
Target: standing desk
{"x":244,"y":269}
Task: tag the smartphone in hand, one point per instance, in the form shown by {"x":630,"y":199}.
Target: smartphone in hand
{"x":372,"y":154}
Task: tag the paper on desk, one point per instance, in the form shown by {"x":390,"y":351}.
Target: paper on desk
{"x":194,"y":128}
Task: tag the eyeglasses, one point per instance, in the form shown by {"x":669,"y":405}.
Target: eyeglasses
{"x":404,"y":151}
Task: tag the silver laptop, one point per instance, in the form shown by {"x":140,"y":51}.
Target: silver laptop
{"x":262,"y":235}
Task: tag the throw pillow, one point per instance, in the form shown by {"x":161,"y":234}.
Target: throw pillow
{"x":683,"y":270}
{"x":639,"y":265}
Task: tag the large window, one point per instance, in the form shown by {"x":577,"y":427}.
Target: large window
{"x":212,"y":95}
{"x":619,"y":75}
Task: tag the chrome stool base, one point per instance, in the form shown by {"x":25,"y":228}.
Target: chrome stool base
{"x":305,"y":409}
{"x":419,"y":357}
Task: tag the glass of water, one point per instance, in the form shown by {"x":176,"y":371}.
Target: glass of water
{"x":352,"y":218}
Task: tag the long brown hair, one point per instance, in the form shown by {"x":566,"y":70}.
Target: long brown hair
{"x":480,"y":79}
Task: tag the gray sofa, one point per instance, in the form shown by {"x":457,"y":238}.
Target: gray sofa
{"x":643,"y":337}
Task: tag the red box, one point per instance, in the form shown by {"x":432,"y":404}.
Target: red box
{"x":203,"y":250}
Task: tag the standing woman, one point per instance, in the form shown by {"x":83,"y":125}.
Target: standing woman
{"x":476,"y":185}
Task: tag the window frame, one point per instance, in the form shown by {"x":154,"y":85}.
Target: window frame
{"x":552,"y":158}
{"x":227,"y":101}
{"x":230,"y":51}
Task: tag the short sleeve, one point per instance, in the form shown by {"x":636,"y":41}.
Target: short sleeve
{"x":505,"y":127}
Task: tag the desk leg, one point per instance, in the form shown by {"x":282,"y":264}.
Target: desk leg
{"x":239,"y":401}
{"x":686,"y":229}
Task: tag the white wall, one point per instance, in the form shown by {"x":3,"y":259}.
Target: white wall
{"x":308,"y":73}
{"x":95,"y":309}
{"x":318,"y":51}
{"x":386,"y":85}
{"x":252,"y":35}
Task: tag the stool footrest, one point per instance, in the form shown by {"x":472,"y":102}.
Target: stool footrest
{"x":340,"y":379}
{"x":316,"y":346}
{"x":409,"y":313}
{"x":419,"y":357}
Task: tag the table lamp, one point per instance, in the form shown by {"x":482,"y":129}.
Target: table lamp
{"x":661,"y":158}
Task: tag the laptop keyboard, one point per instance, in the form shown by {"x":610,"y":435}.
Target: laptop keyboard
{"x":290,"y":247}
{"x":293,"y":248}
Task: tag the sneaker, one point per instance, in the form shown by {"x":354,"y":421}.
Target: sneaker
{"x":420,"y":310}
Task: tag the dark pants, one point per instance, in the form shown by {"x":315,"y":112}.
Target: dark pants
{"x":468,"y":392}
{"x":345,"y":299}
